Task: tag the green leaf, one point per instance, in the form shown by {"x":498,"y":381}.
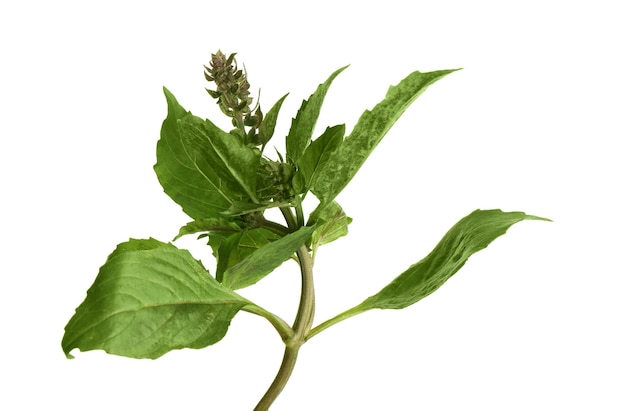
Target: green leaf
{"x":470,"y":235}
{"x":241,"y":207}
{"x":224,"y":247}
{"x":315,"y":157}
{"x":335,"y":225}
{"x":303,"y":124}
{"x":263,"y":261}
{"x":150,"y":298}
{"x":368,"y":132}
{"x":219,"y":225}
{"x":235,"y":163}
{"x":266,"y":130}
{"x":231,"y":249}
{"x":185,"y":175}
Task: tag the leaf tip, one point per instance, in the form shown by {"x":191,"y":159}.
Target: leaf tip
{"x":534,"y":217}
{"x":67,"y":348}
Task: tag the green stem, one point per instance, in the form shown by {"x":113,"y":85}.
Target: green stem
{"x":301,"y":327}
{"x":338,"y":318}
{"x":299,"y":213}
{"x":306,"y":309}
{"x":289,"y":218}
{"x":284,"y":330}
{"x":286,"y":367}
{"x":275,"y":227}
{"x":238,"y":117}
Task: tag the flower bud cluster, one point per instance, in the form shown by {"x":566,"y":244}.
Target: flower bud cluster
{"x":275,"y":180}
{"x":233,"y":96}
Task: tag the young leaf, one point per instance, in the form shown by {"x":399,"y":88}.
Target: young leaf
{"x":335,"y":225}
{"x":263,"y":261}
{"x":219,"y":225}
{"x":235,"y":163}
{"x":185,"y":175}
{"x":315,"y":157}
{"x":266,"y":130}
{"x":223,"y":247}
{"x":470,"y":235}
{"x":302,"y":125}
{"x":368,"y":132}
{"x":231,"y":249}
{"x":150,"y":298}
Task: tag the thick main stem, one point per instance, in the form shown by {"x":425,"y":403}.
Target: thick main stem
{"x":302,"y":325}
{"x":306,"y":309}
{"x":286,"y":368}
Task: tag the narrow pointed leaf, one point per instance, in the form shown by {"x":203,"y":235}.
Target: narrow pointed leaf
{"x":266,"y":130}
{"x":368,"y":132}
{"x":150,"y":298}
{"x":263,"y":261}
{"x":235,"y":163}
{"x":184,"y":173}
{"x":303,"y":124}
{"x":470,"y":235}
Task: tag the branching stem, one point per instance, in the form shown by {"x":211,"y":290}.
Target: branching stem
{"x":301,"y":326}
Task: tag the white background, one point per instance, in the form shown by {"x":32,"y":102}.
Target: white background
{"x":535,"y":122}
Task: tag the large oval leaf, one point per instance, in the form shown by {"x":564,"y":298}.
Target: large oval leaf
{"x":234,"y":163}
{"x":150,"y":298}
{"x":185,"y":172}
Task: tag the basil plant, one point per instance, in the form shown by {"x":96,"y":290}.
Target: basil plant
{"x":151,"y":297}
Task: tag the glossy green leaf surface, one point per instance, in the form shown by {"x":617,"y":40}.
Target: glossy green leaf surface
{"x":185,"y":175}
{"x":470,"y":235}
{"x":371,"y":127}
{"x":150,"y":298}
{"x":263,"y":261}
{"x":303,"y":124}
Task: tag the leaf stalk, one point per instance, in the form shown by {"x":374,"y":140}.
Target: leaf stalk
{"x":281,"y":326}
{"x":336,"y":319}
